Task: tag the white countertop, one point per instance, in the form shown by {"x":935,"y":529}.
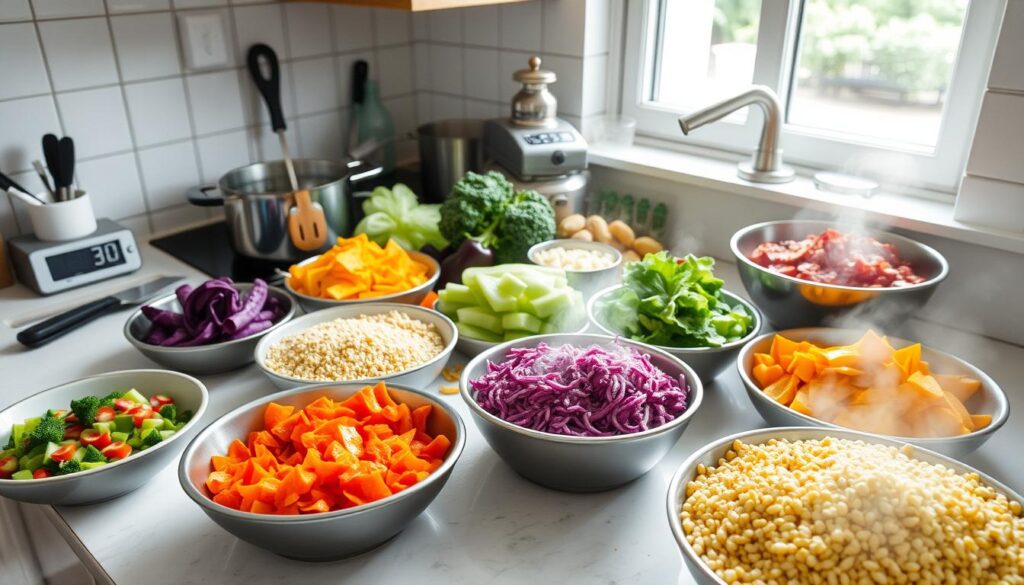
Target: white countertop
{"x":488,"y":525}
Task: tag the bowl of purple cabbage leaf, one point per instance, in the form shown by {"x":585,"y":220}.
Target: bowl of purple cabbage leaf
{"x":580,"y":412}
{"x":209,"y":328}
{"x":678,"y":305}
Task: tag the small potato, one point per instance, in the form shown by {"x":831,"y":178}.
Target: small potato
{"x":571,"y":224}
{"x":599,"y":229}
{"x":646,"y":245}
{"x":630,"y":256}
{"x":622,"y":232}
{"x":584,"y":235}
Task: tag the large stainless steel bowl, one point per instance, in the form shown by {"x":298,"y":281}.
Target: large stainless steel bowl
{"x":416,"y":377}
{"x":471,"y":347}
{"x":202,"y":359}
{"x":579,"y":464}
{"x":587,"y":282}
{"x":117,"y":478}
{"x":708,"y":362}
{"x":789,"y":302}
{"x":710,"y":454}
{"x":990,"y":399}
{"x":413,"y":296}
{"x":330,"y":535}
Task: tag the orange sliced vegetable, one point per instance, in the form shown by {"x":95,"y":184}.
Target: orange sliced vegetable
{"x":358,"y":268}
{"x":328,"y":456}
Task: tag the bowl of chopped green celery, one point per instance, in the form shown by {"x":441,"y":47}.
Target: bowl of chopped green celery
{"x":678,"y":305}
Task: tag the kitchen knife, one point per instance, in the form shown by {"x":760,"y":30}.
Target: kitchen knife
{"x":52,"y":328}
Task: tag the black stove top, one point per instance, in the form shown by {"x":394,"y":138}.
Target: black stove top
{"x":208,"y":247}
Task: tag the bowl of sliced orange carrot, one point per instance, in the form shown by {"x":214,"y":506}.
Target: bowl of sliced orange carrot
{"x":323,"y":472}
{"x":358,"y":270}
{"x":863,"y":381}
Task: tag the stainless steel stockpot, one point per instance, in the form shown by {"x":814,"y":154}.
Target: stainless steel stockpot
{"x":258,"y":197}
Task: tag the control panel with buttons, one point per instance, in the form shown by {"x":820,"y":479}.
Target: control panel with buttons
{"x":549,"y":137}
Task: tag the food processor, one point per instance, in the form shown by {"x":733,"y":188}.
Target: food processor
{"x":537,"y":150}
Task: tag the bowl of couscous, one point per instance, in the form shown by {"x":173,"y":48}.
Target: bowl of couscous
{"x":397,"y":343}
{"x":826,"y":505}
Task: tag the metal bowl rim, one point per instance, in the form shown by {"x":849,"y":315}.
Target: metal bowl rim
{"x":229,"y":192}
{"x":585,"y":244}
{"x":56,"y":479}
{"x":443,"y":355}
{"x":825,"y":224}
{"x":211,"y":506}
{"x":999,"y":418}
{"x":755,"y":327}
{"x":142,"y":345}
{"x":426,"y":285}
{"x":696,"y":389}
{"x":674,"y":502}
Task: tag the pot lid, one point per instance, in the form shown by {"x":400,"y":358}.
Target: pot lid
{"x":534,"y":75}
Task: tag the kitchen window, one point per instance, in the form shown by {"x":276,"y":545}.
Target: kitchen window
{"x":884,"y":88}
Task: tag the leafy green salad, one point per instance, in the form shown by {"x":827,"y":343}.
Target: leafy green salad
{"x":674,"y":302}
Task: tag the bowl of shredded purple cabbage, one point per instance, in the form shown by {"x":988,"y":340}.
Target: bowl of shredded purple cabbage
{"x":209,"y":328}
{"x":580,"y":412}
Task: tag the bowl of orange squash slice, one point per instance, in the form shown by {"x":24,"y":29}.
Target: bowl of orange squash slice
{"x":864,"y":381}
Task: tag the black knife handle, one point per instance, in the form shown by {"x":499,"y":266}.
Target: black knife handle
{"x":54,"y":327}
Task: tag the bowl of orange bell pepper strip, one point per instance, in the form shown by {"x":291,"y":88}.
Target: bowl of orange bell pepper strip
{"x":861,"y":380}
{"x":358,"y":270}
{"x":323,"y":472}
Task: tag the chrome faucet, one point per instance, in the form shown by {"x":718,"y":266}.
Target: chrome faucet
{"x":765,"y":165}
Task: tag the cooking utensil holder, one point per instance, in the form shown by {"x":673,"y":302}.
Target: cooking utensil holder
{"x":62,"y":220}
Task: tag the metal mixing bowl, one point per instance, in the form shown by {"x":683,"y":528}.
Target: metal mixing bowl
{"x":708,"y":362}
{"x":587,"y":282}
{"x":579,"y":464}
{"x":990,"y":399}
{"x":330,"y":535}
{"x":789,"y":302}
{"x":471,"y":347}
{"x":120,"y":477}
{"x":710,"y":454}
{"x":202,"y":359}
{"x":413,"y":296}
{"x":417,"y":377}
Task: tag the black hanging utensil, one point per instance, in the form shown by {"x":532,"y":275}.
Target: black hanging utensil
{"x":50,"y":148}
{"x":66,"y":165}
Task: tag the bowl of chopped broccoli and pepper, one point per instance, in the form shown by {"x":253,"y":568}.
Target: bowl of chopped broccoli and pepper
{"x":124,"y":426}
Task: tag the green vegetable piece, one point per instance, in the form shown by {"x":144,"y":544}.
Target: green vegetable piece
{"x":523,"y":322}
{"x":151,"y":438}
{"x":482,"y":318}
{"x":49,"y":430}
{"x":397,"y":215}
{"x":119,"y":436}
{"x":87,"y":465}
{"x":166,"y":434}
{"x":135,"y":396}
{"x":184,"y":417}
{"x":511,"y":286}
{"x":50,"y":448}
{"x":22,"y":474}
{"x":104,"y":427}
{"x":528,"y":220}
{"x":474,"y":206}
{"x":537,"y":284}
{"x":510,"y":335}
{"x":69,"y":466}
{"x":457,"y":294}
{"x":123,"y":423}
{"x":169,"y":411}
{"x":92,"y":455}
{"x":31,"y":462}
{"x":85,"y":409}
{"x":477,"y":333}
{"x":551,"y":303}
{"x":489,"y":288}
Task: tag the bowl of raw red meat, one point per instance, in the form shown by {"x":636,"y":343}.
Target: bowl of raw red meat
{"x":807,"y":273}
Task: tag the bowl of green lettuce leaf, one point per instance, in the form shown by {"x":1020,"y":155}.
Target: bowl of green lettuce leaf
{"x":679,"y":306}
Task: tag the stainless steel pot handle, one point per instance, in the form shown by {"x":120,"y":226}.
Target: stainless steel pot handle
{"x":201,"y":196}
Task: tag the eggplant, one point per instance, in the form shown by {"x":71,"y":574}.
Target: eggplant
{"x":469,"y":254}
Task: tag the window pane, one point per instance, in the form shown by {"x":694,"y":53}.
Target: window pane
{"x":706,"y":51}
{"x":876,"y":69}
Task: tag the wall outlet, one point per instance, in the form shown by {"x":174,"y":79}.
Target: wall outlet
{"x":204,"y":39}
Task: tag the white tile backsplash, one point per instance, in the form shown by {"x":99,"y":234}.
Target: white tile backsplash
{"x":67,"y":8}
{"x":321,"y":135}
{"x":167,"y":173}
{"x":96,"y":119}
{"x":216,"y":101}
{"x":1007,"y":72}
{"x":522,"y":25}
{"x":316,"y":85}
{"x":560,"y":34}
{"x":353,"y":28}
{"x":21,"y":61}
{"x":309,"y":29}
{"x":570,"y":75}
{"x":25,"y":122}
{"x":445,"y":26}
{"x":391,"y":27}
{"x":113,"y":185}
{"x":180,"y":4}
{"x":79,"y":52}
{"x":480,"y":26}
{"x":14,"y":11}
{"x":480,"y":71}
{"x":395,"y":70}
{"x":999,"y":138}
{"x":146,"y":45}
{"x":444,"y":107}
{"x":446,"y":69}
{"x":220,"y":153}
{"x":158,"y":111}
{"x":260,"y":24}
{"x":127,"y":6}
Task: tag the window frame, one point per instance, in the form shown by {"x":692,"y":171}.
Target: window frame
{"x":777,"y":46}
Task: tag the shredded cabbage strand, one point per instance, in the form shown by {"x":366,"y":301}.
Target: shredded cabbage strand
{"x":594,"y":391}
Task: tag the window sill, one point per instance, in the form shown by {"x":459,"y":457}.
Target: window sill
{"x":911,"y":213}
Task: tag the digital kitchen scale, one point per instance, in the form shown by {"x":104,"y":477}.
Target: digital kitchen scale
{"x":53,"y":267}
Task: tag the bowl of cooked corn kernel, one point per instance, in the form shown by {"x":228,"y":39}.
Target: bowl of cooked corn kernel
{"x":805,"y":505}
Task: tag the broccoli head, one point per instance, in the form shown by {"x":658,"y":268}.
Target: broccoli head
{"x":93,"y":455}
{"x":69,"y":466}
{"x":169,"y":412}
{"x":85,"y":409}
{"x":152,"y":438}
{"x":49,"y":430}
{"x":528,"y":220}
{"x":475,"y":203}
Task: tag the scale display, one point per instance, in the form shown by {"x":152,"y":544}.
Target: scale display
{"x":86,"y":260}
